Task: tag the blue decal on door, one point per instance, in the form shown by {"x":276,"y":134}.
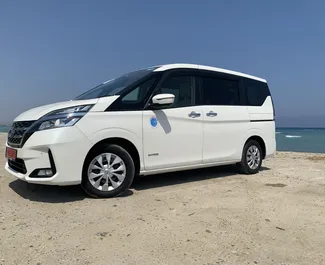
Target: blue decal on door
{"x":153,"y":122}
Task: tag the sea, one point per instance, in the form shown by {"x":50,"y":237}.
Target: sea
{"x":3,"y":129}
{"x":289,"y":139}
{"x":310,"y":140}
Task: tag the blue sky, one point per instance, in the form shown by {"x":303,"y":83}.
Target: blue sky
{"x":53,"y":50}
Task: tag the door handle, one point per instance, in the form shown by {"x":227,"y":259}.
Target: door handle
{"x":194,"y":114}
{"x":212,"y":114}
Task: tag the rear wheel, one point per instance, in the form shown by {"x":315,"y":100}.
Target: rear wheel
{"x":251,"y":158}
{"x":108,"y":172}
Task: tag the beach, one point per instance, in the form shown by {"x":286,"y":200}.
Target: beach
{"x":208,"y":216}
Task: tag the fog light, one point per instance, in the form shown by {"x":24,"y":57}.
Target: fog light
{"x":45,"y":173}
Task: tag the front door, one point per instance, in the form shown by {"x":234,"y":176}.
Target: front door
{"x":173,"y":136}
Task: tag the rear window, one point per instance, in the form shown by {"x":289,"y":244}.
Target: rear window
{"x":256,"y":92}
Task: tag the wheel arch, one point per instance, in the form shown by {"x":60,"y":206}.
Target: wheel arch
{"x":260,"y":141}
{"x":122,"y":142}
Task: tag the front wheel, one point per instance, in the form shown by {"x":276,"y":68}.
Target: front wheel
{"x":108,"y":172}
{"x":251,"y":158}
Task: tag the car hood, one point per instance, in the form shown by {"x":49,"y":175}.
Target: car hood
{"x":38,"y":112}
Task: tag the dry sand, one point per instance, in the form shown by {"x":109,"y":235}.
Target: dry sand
{"x":210,"y":216}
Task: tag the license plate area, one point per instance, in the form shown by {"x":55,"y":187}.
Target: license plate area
{"x":11,"y":153}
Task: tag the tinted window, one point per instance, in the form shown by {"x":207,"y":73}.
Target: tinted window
{"x":180,"y":87}
{"x":139,"y":93}
{"x":256,"y":92}
{"x":219,"y":91}
{"x":115,"y":86}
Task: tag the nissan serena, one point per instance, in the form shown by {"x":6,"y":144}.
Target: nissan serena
{"x":154,"y":120}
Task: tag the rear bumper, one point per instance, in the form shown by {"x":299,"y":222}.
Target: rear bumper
{"x":270,"y":148}
{"x":63,"y":149}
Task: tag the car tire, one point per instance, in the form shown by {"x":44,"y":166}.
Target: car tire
{"x":106,"y":179}
{"x":252,"y":157}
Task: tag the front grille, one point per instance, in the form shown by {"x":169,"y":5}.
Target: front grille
{"x":17,"y":131}
{"x":17,"y":165}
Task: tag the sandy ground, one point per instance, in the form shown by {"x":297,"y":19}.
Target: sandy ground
{"x":210,"y":216}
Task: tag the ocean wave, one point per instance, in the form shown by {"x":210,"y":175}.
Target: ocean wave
{"x":278,"y":132}
{"x":293,"y":136}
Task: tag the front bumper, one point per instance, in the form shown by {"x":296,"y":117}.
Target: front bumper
{"x":68,"y":148}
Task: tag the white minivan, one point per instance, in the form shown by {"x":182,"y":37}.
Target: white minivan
{"x":160,"y":119}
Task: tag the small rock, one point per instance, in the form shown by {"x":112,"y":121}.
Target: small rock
{"x":114,"y":205}
{"x":255,"y":262}
{"x":267,"y":220}
{"x":188,"y":240}
{"x":280,"y":228}
{"x":276,"y":185}
{"x":102,"y":234}
{"x":128,"y":234}
{"x":31,"y":246}
{"x":273,"y":237}
{"x":191,"y":214}
{"x":208,"y":231}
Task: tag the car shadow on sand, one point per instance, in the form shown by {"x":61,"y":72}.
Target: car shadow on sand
{"x":181,"y":177}
{"x":63,"y":194}
{"x":52,"y":194}
{"x":47,"y":193}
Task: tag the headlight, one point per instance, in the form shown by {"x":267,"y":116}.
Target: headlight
{"x":62,"y":118}
{"x":77,"y":109}
{"x":60,"y":122}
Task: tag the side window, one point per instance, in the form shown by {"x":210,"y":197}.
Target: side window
{"x":180,"y":87}
{"x":256,"y":92}
{"x":138,"y":94}
{"x":134,"y":95}
{"x":219,"y":91}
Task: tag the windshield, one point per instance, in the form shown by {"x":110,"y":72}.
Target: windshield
{"x":114,"y":86}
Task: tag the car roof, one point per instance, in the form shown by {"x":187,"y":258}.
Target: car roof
{"x":204,"y":67}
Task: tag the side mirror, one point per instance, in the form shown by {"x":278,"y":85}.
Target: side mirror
{"x":163,"y":100}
